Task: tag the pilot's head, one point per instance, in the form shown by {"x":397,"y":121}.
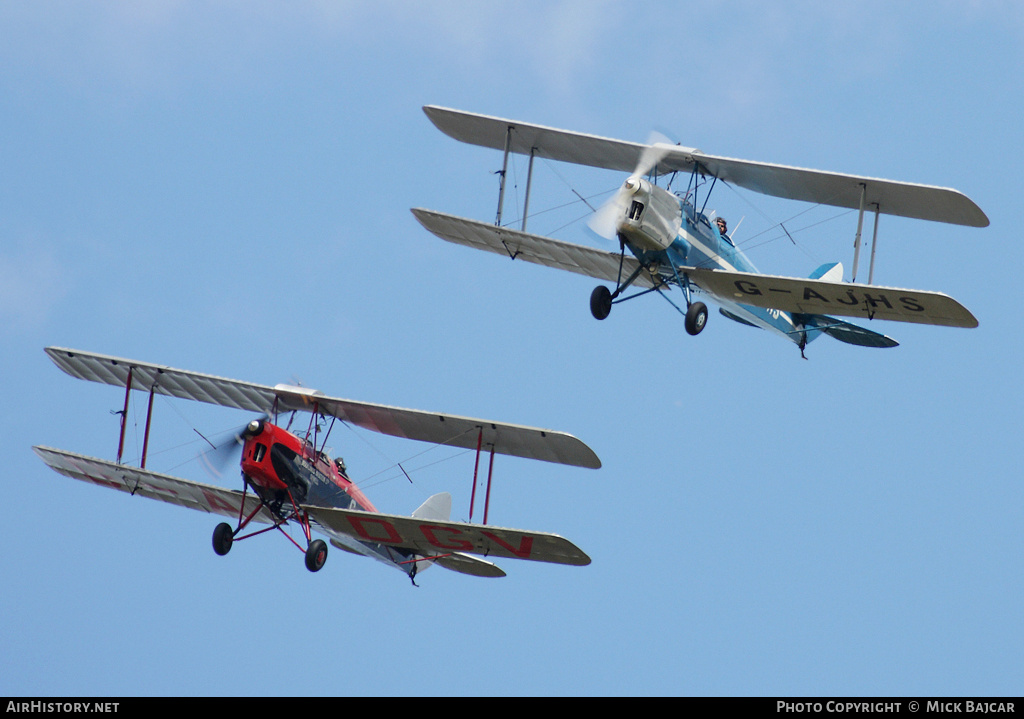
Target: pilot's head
{"x":721,"y":224}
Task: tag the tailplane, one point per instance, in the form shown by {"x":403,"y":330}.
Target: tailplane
{"x":849,"y":333}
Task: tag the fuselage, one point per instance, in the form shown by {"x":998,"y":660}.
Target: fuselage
{"x":285,"y":469}
{"x":698,"y":243}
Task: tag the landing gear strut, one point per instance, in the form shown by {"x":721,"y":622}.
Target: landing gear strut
{"x":316,"y":549}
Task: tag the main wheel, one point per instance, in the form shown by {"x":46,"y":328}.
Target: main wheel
{"x":223,"y":536}
{"x":316,"y":555}
{"x":696,"y":317}
{"x":600,"y":302}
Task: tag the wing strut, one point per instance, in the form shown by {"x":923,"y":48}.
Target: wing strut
{"x":487,"y":497}
{"x":529,"y":181}
{"x":149,"y":417}
{"x":874,"y":245}
{"x":874,"y":236}
{"x":476,"y":466}
{"x":504,"y":173}
{"x":504,"y":170}
{"x":860,"y":226}
{"x":124,"y":415}
{"x":124,"y":420}
{"x":490,"y":475}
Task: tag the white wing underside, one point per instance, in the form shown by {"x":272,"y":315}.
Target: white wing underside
{"x":536,"y":249}
{"x":904,"y":199}
{"x":789,"y":294}
{"x":456,"y":431}
{"x":440,"y":539}
{"x":152,"y":485}
{"x":444,"y":541}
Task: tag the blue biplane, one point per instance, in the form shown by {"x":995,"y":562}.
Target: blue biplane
{"x":672,"y":243}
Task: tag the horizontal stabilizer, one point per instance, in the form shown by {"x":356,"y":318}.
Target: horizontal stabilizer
{"x":854,"y":335}
{"x":890,"y":197}
{"x":465,"y":564}
{"x":433,"y":538}
{"x":736,"y":318}
{"x":817,"y":297}
{"x":452,"y":430}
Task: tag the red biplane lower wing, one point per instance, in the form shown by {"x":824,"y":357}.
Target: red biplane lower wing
{"x":441,"y":539}
{"x":143,"y":483}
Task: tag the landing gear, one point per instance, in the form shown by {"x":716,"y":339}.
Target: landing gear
{"x":316,"y":555}
{"x":600,"y":302}
{"x":696,"y":317}
{"x":223,"y":536}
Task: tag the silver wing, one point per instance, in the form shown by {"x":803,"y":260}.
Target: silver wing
{"x":448,"y":542}
{"x":510,"y":439}
{"x":904,"y":199}
{"x":432,"y":537}
{"x":529,"y":248}
{"x":153,"y":485}
{"x":789,"y":294}
{"x":793,"y":294}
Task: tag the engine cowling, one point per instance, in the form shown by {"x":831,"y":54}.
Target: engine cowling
{"x":653,"y":216}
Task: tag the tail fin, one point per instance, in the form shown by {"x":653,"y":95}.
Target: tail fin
{"x":829,"y":272}
{"x":437,"y":507}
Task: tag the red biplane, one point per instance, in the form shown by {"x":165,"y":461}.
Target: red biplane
{"x":288,"y":478}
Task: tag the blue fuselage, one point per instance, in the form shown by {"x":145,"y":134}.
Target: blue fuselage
{"x":699,"y":244}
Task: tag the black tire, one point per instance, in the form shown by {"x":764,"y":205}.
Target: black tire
{"x":223,"y":536}
{"x":696,"y":317}
{"x":316,"y":555}
{"x":600,"y":302}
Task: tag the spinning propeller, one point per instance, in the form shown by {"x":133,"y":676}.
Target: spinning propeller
{"x":217,"y":458}
{"x":605,"y":222}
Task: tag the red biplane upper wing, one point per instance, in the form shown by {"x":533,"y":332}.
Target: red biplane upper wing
{"x":465,"y":432}
{"x":905,"y":199}
{"x":143,"y":483}
{"x":431,"y":537}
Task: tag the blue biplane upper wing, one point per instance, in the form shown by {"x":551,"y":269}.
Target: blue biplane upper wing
{"x":539,"y":250}
{"x":889,"y":197}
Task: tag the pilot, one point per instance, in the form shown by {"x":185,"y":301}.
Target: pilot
{"x":722,"y":230}
{"x":339,"y":464}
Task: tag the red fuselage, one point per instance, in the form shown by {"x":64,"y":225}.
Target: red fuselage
{"x":278,"y":464}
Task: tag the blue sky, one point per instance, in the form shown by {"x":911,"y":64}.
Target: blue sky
{"x":226,"y":188}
